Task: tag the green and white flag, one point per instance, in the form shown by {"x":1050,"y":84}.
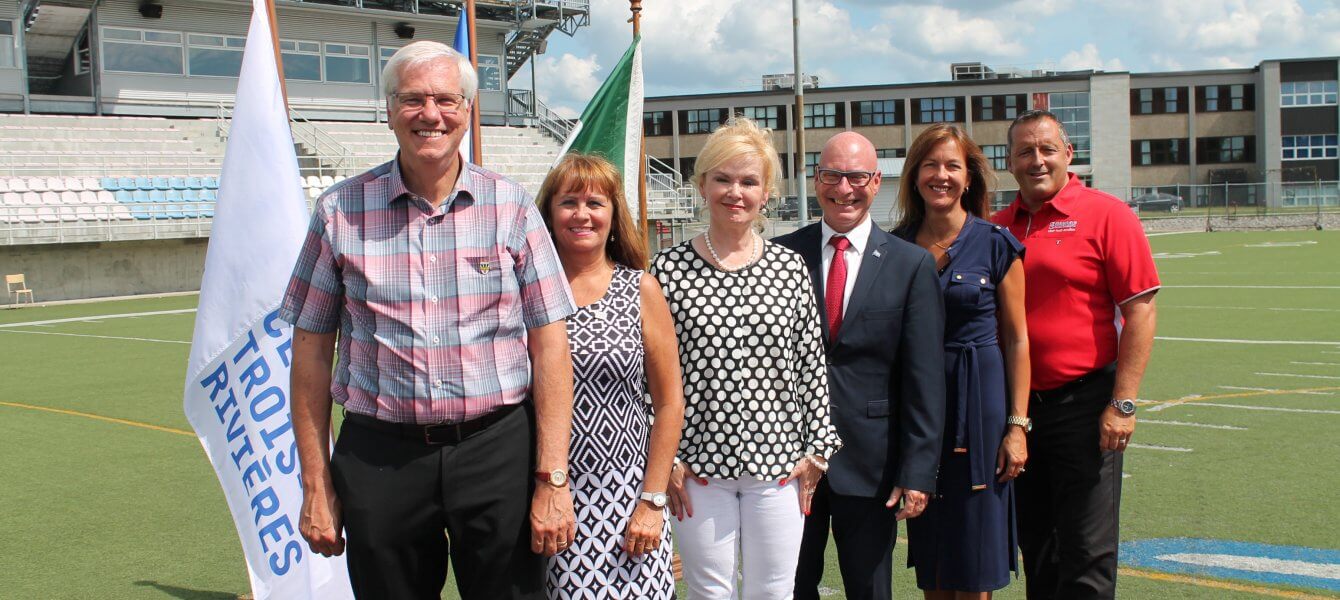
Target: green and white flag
{"x":611,"y":125}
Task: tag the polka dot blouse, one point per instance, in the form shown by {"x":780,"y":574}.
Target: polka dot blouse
{"x":751,"y":348}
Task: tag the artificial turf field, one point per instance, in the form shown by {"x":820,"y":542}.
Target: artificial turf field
{"x":104,"y":492}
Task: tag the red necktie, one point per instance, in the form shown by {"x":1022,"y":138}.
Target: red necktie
{"x":837,"y":284}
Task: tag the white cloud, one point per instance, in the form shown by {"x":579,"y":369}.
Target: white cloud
{"x":566,"y":78}
{"x":1088,"y":58}
{"x":941,"y":31}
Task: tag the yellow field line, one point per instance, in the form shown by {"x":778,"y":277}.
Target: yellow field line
{"x":76,"y":413}
{"x":1185,"y":400}
{"x":1221,"y":585}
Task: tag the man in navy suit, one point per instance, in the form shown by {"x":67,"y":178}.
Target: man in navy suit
{"x":883,"y":332}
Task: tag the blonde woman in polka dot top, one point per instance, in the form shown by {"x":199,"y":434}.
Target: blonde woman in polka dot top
{"x":757,"y":433}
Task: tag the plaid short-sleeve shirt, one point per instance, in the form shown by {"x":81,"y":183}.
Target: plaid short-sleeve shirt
{"x":432,"y":305}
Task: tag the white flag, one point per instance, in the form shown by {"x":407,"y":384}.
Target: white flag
{"x":237,"y":380}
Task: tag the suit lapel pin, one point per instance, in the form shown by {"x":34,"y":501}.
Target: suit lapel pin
{"x":876,"y":253}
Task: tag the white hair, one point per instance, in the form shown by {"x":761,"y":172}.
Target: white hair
{"x":425,"y":51}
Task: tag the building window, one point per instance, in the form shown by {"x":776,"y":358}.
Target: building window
{"x":811,"y":162}
{"x":1223,"y":98}
{"x":8,"y":45}
{"x":998,"y":108}
{"x":687,"y":164}
{"x":766,"y":116}
{"x":489,"y":68}
{"x":141,"y":51}
{"x":385,"y":54}
{"x":1232,"y":149}
{"x":83,"y":56}
{"x":1306,"y":147}
{"x":656,"y":123}
{"x":878,"y":112}
{"x":820,"y":116}
{"x":302,"y":60}
{"x":1311,"y":194}
{"x":214,"y":55}
{"x":937,"y":110}
{"x":347,"y":63}
{"x":891,"y":153}
{"x":1307,"y":93}
{"x":1159,"y":152}
{"x":703,"y":120}
{"x":995,"y":154}
{"x":1155,"y":101}
{"x":1072,"y":108}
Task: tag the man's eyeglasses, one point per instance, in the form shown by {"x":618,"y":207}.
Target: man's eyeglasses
{"x":834,"y":177}
{"x":445,"y":102}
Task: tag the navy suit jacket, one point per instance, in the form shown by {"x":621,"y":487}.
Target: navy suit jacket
{"x":886,"y":375}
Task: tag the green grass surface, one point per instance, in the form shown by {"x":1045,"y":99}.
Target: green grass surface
{"x":102,"y":509}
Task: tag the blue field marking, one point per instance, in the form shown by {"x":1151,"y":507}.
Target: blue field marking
{"x":1263,"y":563}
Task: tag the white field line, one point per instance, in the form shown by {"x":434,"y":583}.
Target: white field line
{"x":1276,"y":309}
{"x":1319,"y":364}
{"x":1256,"y":342}
{"x":1301,"y":376}
{"x":1313,"y":411}
{"x":1186,"y":424}
{"x":85,"y":335}
{"x":1153,"y":447}
{"x":1255,"y":287}
{"x":1261,"y":389}
{"x":98,"y":318}
{"x":1172,"y":403}
{"x":1172,"y":233}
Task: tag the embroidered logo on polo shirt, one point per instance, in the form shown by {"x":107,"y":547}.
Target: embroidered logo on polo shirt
{"x":1062,"y":226}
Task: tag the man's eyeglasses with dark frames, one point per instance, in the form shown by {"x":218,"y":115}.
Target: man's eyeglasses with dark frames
{"x":445,"y":102}
{"x":834,"y":177}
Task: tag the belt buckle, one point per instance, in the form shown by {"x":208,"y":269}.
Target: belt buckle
{"x":431,"y":437}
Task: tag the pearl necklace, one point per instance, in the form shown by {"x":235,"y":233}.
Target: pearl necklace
{"x":753,"y":253}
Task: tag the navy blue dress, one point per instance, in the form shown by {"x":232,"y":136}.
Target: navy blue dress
{"x":965,"y":540}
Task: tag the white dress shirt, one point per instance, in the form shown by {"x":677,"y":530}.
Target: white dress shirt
{"x":858,"y":236}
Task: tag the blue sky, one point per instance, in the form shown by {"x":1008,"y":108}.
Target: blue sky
{"x":693,"y":46}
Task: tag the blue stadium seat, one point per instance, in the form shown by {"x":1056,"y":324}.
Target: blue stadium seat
{"x":190,"y":195}
{"x":124,"y":197}
{"x":162,"y":183}
{"x":177,"y":183}
{"x":144,"y":183}
{"x":194,"y":183}
{"x":212,"y":183}
{"x":126,"y":183}
{"x":158,"y":204}
{"x":208,"y":195}
{"x":140,"y":205}
{"x":177,"y":207}
{"x":109,"y":184}
{"x":140,"y":196}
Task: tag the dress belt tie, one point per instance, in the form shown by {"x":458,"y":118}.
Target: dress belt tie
{"x":968,"y":435}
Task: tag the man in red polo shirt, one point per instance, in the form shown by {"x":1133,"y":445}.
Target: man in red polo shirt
{"x":1087,"y":260}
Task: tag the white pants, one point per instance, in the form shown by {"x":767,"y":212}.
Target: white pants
{"x":753,"y":519}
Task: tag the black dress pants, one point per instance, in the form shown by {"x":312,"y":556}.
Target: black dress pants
{"x":408,"y":506}
{"x":863,"y":531}
{"x":1070,"y":496}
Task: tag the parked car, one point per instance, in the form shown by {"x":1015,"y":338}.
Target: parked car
{"x":788,"y":208}
{"x":1156,"y":202}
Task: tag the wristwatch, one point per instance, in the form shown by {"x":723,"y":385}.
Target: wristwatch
{"x":657,"y":499}
{"x":1024,"y":422}
{"x":1125,"y":406}
{"x":556,"y":478}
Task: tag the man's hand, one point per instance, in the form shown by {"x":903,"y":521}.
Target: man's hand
{"x":1115,"y":429}
{"x":913,"y":503}
{"x":644,"y":529}
{"x":552,"y":522}
{"x":320,"y":521}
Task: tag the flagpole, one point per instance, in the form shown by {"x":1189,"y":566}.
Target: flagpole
{"x":279,"y":56}
{"x":636,"y":7}
{"x":476,"y":137}
{"x":798,"y":172}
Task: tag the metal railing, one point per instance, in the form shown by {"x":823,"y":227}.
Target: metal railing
{"x":524,"y":103}
{"x":327,"y":150}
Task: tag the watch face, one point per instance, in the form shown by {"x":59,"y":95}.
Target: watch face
{"x":658,"y":500}
{"x":558,"y":477}
{"x":1127,"y":407}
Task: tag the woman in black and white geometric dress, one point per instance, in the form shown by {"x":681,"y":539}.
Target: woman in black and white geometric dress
{"x":619,"y":463}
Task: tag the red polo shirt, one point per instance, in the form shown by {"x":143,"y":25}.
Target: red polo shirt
{"x":1086,"y":254}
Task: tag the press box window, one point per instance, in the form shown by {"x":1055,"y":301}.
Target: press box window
{"x":490,"y":72}
{"x":346,"y":63}
{"x":385,"y":55}
{"x":302,"y":60}
{"x":140,"y":51}
{"x":7,"y":45}
{"x":215,"y":55}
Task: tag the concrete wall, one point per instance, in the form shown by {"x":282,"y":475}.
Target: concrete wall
{"x":1109,"y":134}
{"x":96,"y":270}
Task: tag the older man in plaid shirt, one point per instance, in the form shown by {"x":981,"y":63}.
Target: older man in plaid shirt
{"x":449,"y":301}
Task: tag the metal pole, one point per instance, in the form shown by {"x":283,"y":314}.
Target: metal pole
{"x":476,"y":136}
{"x":798,"y":171}
{"x":636,"y":7}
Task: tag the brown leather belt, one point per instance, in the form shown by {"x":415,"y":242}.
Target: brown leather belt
{"x":433,"y":434}
{"x":1070,"y":387}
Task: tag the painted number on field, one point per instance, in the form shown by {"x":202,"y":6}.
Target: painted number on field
{"x":1315,"y":568}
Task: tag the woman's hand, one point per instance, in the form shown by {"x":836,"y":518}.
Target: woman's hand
{"x":678,"y":492}
{"x":644,"y":529}
{"x":1012,"y":455}
{"x":806,"y":475}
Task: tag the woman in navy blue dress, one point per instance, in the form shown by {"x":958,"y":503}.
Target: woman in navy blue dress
{"x":963,"y":546}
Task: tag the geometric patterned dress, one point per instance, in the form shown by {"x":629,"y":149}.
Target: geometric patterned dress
{"x":608,"y":456}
